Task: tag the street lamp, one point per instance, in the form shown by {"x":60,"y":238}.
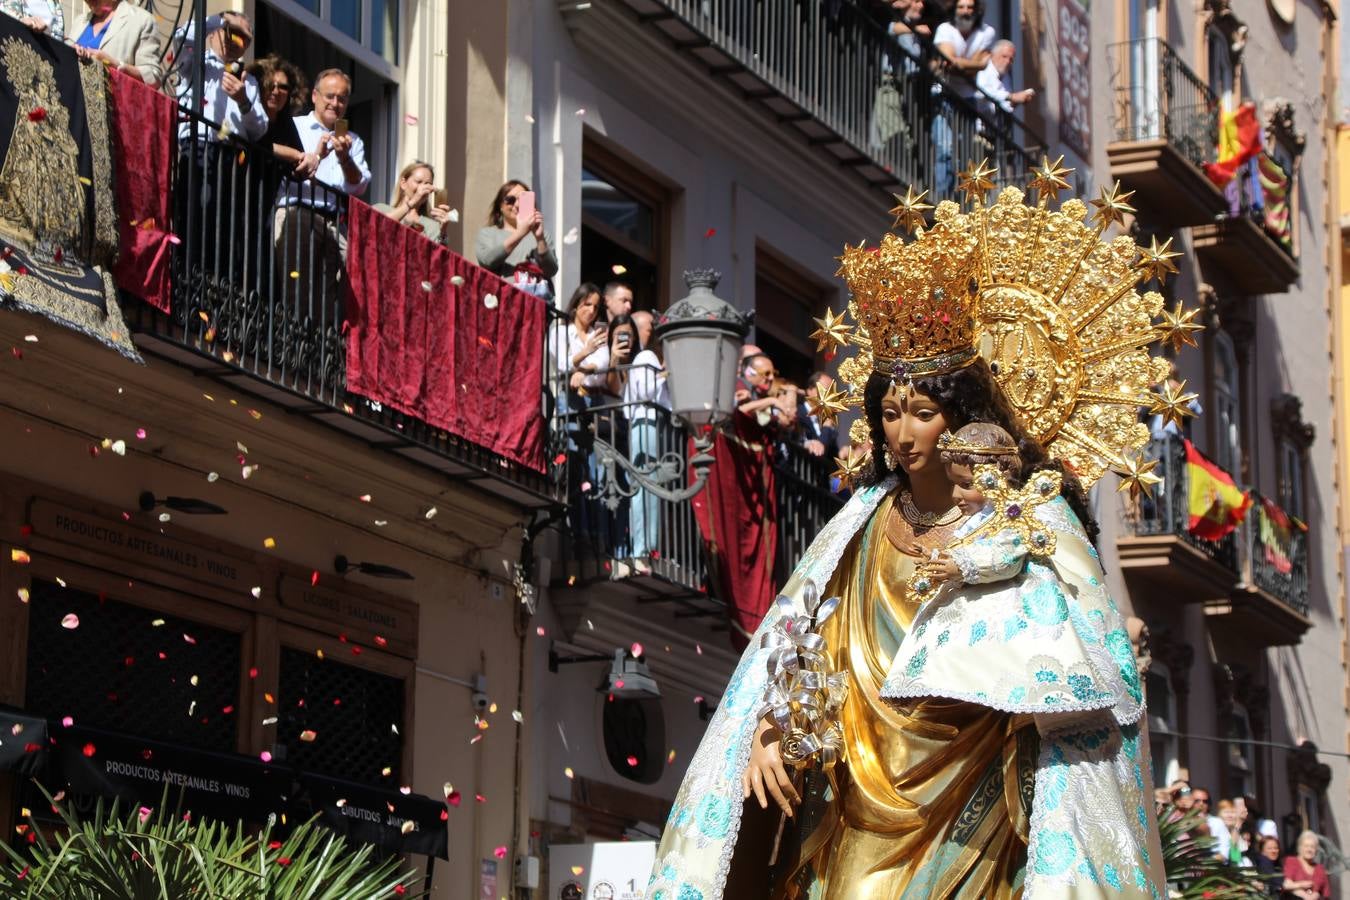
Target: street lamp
{"x":701,"y":337}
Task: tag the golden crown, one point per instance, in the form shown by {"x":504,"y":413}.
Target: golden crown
{"x":1045,"y":297}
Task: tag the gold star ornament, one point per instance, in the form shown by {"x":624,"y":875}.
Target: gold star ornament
{"x":848,"y":469}
{"x":1136,"y":477}
{"x":1179,"y":328}
{"x":1156,"y":261}
{"x":831,"y":333}
{"x":977,"y":181}
{"x":1112,"y":206}
{"x":828,"y":404}
{"x":909,"y":214}
{"x":1173,"y":404}
{"x":1049,"y":180}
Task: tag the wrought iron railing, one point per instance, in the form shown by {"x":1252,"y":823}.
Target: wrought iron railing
{"x":805,"y":503}
{"x":837,"y":65}
{"x":1167,"y":511}
{"x":1158,"y":97}
{"x":258,"y":289}
{"x":1278,"y":547}
{"x":608,"y":535}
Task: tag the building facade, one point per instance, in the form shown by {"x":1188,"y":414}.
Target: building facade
{"x":754,"y":138}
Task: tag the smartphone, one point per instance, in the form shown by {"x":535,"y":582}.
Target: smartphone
{"x":622,"y":339}
{"x":525,"y":205}
{"x":340,"y":128}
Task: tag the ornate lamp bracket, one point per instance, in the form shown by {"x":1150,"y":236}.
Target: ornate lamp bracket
{"x":668,"y":469}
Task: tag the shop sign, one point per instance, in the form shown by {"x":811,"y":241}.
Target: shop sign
{"x":141,"y":546}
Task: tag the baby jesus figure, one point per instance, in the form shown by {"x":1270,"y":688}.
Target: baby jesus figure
{"x":995,"y":584}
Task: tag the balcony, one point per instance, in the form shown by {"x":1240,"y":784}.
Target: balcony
{"x":607,"y":564}
{"x":1240,"y":244}
{"x":1166,"y":126}
{"x":1270,"y":605}
{"x":1158,"y":554}
{"x":270,"y":316}
{"x":815,"y":67}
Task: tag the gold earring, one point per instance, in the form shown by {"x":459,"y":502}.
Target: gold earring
{"x":892,"y":461}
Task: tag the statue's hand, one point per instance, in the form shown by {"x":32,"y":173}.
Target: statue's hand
{"x":765,"y":771}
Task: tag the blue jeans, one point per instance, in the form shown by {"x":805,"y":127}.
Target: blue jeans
{"x":944,"y":168}
{"x":644,"y":510}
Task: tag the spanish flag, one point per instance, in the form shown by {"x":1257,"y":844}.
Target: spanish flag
{"x":1217,"y":505}
{"x":1239,"y":141}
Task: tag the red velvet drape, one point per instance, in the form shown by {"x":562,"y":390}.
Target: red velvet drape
{"x":738,"y":515}
{"x":145,"y":125}
{"x":443,"y":351}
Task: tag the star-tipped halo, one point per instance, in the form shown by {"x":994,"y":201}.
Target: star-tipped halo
{"x":909,"y":214}
{"x":1173,"y":403}
{"x":977,"y":180}
{"x":1112,"y":206}
{"x":848,"y":256}
{"x":1049,"y":179}
{"x":848,"y":469}
{"x":832,"y":332}
{"x":1178,"y":328}
{"x":1156,"y":261}
{"x":828,"y":404}
{"x":1136,"y":477}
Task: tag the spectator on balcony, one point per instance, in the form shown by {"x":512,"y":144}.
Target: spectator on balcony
{"x":578,"y":346}
{"x":1200,"y":800}
{"x":891,"y":113}
{"x":121,"y":35}
{"x":818,"y":438}
{"x":963,"y":43}
{"x":1305,"y":877}
{"x":642,"y":386}
{"x":645,"y":321}
{"x":517,"y":248}
{"x":754,"y":390}
{"x":232,"y":100}
{"x":749,"y":350}
{"x":618,"y":300}
{"x":283,"y":87}
{"x":995,"y":81}
{"x":310,"y":243}
{"x":43,"y":16}
{"x":1229,"y":821}
{"x":1267,"y":863}
{"x":414,"y":202}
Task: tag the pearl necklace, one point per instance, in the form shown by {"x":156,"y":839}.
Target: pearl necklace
{"x":920,"y":519}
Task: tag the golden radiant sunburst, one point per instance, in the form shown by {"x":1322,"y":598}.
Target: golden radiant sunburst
{"x":1058,"y":310}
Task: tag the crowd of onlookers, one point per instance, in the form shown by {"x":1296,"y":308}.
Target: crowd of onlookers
{"x":1243,"y":837}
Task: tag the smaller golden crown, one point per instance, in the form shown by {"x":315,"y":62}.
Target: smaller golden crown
{"x":917,"y":301}
{"x":951,"y":444}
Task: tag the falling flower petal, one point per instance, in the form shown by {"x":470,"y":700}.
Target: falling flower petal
{"x":19,"y":557}
{"x":212,"y":477}
{"x":308,"y":735}
{"x":140,"y":434}
{"x":265,"y":756}
{"x":409,"y":119}
{"x":23,"y":595}
{"x":407,"y":826}
{"x":618,"y":269}
{"x":517,"y":715}
{"x":569,"y":773}
{"x":490,"y":301}
{"x":89,"y":750}
{"x":577,"y":870}
{"x":67,"y":721}
{"x":500,"y":852}
{"x":670,"y":757}
{"x":636,"y":649}
{"x":430,"y":514}
{"x":119,"y":447}
{"x":269,"y":543}
{"x":70,"y":622}
{"x":256,"y":591}
{"x":426,"y":286}
{"x":572,"y":236}
{"x":453,"y":215}
{"x":457,"y":280}
{"x":632,"y":762}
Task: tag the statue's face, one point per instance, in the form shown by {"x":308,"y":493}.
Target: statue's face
{"x":913,"y":423}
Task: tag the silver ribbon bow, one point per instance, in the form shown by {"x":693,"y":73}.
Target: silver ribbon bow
{"x":804,"y":697}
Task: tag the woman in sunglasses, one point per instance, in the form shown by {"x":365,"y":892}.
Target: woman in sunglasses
{"x":515,"y":246}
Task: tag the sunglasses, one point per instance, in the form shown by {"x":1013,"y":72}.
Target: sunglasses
{"x":510,"y":199}
{"x":284,"y":88}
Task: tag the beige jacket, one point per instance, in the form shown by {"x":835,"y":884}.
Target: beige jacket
{"x":132,"y":37}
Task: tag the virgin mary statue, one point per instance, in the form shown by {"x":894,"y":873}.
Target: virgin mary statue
{"x":1011,"y":761}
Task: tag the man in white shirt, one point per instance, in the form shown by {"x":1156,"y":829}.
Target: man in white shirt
{"x":963,"y":45}
{"x":966,"y":42}
{"x":213,"y":187}
{"x":995,"y":81}
{"x":233,"y":101}
{"x":311,"y":243}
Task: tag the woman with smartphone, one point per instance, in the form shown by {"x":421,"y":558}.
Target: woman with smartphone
{"x":417,"y":203}
{"x":514,"y":244}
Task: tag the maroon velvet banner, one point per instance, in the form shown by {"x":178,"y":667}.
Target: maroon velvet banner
{"x":145,"y":124}
{"x":738,"y":515}
{"x":435,"y":336}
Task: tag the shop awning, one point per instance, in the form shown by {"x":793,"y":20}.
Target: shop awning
{"x":393,"y":821}
{"x":224,"y":786}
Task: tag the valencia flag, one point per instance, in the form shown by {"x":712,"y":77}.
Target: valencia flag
{"x":1239,"y":141}
{"x":1217,"y":505}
